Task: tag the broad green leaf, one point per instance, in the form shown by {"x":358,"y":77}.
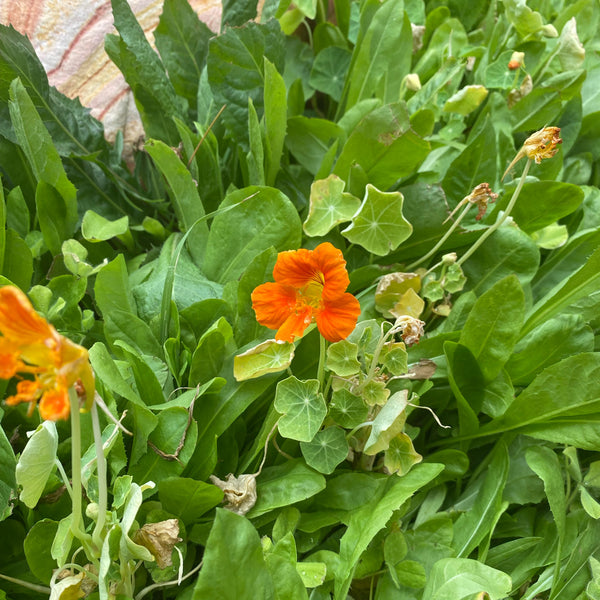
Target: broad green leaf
{"x":492,"y":327}
{"x":379,"y":226}
{"x":211,"y":352}
{"x":95,"y":228}
{"x":18,"y":261}
{"x":284,"y":485}
{"x":63,"y":540}
{"x":401,"y":455}
{"x":233,"y":555}
{"x":236,"y":70}
{"x":372,"y":516}
{"x":522,"y":18}
{"x":590,"y":505}
{"x":36,"y":463}
{"x":266,"y":218}
{"x":286,"y":578}
{"x":466,"y":100}
{"x":37,"y":549}
{"x":312,"y":573}
{"x":329,"y":71}
{"x":187,"y":498}
{"x":461,"y":578}
{"x":143,"y":70}
{"x":329,"y":206}
{"x":326,"y":450}
{"x":112,"y":288}
{"x":182,"y":40}
{"x":384,"y":145}
{"x":506,"y":252}
{"x":302,"y":406}
{"x":388,"y":423}
{"x":342,"y":358}
{"x":579,"y":284}
{"x":275,"y":120}
{"x":395,"y":358}
{"x":548,"y":343}
{"x":347,"y":410}
{"x":545,"y":463}
{"x":8,"y":483}
{"x":477,"y":523}
{"x":271,"y":356}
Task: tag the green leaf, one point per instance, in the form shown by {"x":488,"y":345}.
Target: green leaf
{"x":493,"y":325}
{"x":379,"y":226}
{"x":275,"y":120}
{"x":372,"y":516}
{"x":546,"y":465}
{"x":579,"y":284}
{"x":329,"y":71}
{"x":384,"y":145}
{"x":284,"y":485}
{"x":266,"y":218}
{"x":36,"y":463}
{"x":388,"y":423}
{"x":155,"y":96}
{"x":326,"y":450}
{"x":395,"y":358}
{"x":342,"y":358}
{"x":182,"y":40}
{"x":347,"y":410}
{"x":184,"y":194}
{"x":95,"y":228}
{"x":466,"y":100}
{"x":522,"y":18}
{"x":271,"y":356}
{"x":473,"y":526}
{"x":329,"y":206}
{"x":236,"y":70}
{"x":234,"y":555}
{"x":302,"y":406}
{"x":188,"y":499}
{"x":548,"y":343}
{"x":37,"y":549}
{"x":401,"y":455}
{"x":8,"y":482}
{"x":461,"y":578}
{"x":210,"y":354}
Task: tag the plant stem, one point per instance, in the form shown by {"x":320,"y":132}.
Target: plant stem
{"x":42,"y":589}
{"x":486,"y":234}
{"x":76,"y":497}
{"x":321,"y":368}
{"x":102,"y":483}
{"x":441,"y":241}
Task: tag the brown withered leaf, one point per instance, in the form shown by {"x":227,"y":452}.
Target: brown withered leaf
{"x":160,"y":539}
{"x":240,"y":492}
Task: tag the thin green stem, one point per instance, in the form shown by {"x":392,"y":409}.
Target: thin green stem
{"x":41,"y":589}
{"x":64,"y":477}
{"x":486,"y":234}
{"x":102,"y":483}
{"x":76,"y":497}
{"x":442,"y":240}
{"x":322,"y":355}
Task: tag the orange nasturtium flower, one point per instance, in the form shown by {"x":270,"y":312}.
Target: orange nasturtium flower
{"x":30,"y":345}
{"x":310,"y":285}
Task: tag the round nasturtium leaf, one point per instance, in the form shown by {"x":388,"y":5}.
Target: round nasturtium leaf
{"x":347,"y":410}
{"x":326,"y":450}
{"x":302,"y":406}
{"x":342,"y":358}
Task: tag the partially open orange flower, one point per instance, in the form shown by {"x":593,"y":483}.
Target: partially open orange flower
{"x":310,"y":285}
{"x":31,"y":345}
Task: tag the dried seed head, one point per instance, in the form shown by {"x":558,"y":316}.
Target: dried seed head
{"x":240,"y":492}
{"x":481,"y":195}
{"x":412,"y":329}
{"x":160,"y":539}
{"x":542,"y":144}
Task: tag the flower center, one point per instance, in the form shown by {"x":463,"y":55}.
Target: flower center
{"x":310,"y":294}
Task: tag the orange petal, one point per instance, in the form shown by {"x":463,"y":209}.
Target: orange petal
{"x":324,"y":265}
{"x":27,"y":391}
{"x":337,"y":319}
{"x":273,"y":304}
{"x":18,"y":320}
{"x":55,"y":405}
{"x":295,"y":325}
{"x":9,"y":359}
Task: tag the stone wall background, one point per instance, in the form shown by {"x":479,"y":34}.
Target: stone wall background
{"x":68,"y":36}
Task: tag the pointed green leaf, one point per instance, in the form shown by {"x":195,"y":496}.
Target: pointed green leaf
{"x":275,"y":119}
{"x":379,"y":226}
{"x":329,"y":206}
{"x":326,"y":450}
{"x":8,"y":483}
{"x":302,"y":406}
{"x":388,"y":423}
{"x":271,"y":356}
{"x":466,"y":100}
{"x":342,"y":358}
{"x":37,"y":462}
{"x":401,"y":455}
{"x":95,"y":228}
